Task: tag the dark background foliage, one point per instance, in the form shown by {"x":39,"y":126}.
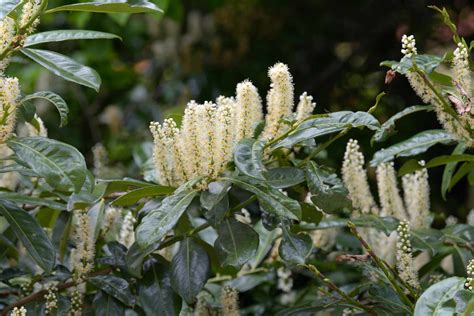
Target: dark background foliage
{"x":201,"y":49}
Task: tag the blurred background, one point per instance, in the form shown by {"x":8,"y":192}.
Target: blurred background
{"x":202,"y":49}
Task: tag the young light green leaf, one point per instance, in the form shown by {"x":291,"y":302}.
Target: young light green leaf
{"x":111,"y":6}
{"x":55,"y":99}
{"x":114,"y":286}
{"x":237,"y":243}
{"x":433,"y":300}
{"x":388,"y":128}
{"x":8,"y":6}
{"x":248,"y":158}
{"x":157,"y":223}
{"x":321,"y":125}
{"x":31,"y":235}
{"x":65,"y":67}
{"x":190,"y":269}
{"x":62,"y":165}
{"x":415,"y":145}
{"x":66,"y":35}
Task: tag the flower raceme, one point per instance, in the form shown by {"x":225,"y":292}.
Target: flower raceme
{"x":204,"y":143}
{"x":9,"y":94}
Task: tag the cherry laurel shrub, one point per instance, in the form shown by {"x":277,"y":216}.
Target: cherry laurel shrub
{"x":237,"y":213}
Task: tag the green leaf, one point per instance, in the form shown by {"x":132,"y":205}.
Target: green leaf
{"x":111,"y":6}
{"x":248,"y":158}
{"x":31,"y":235}
{"x":388,"y":128}
{"x":7,"y":7}
{"x":155,"y":294}
{"x":284,"y":177}
{"x":295,"y":248}
{"x":135,"y":257}
{"x":271,"y":200}
{"x":327,"y":124}
{"x":465,"y":168}
{"x":464,"y":302}
{"x":134,"y":196}
{"x":62,"y":165}
{"x":106,"y":305}
{"x":190,"y":269}
{"x":425,"y":62}
{"x":449,"y":170}
{"x":433,"y":300}
{"x":114,"y":286}
{"x":415,"y":145}
{"x":328,"y":191}
{"x":158,"y":222}
{"x":65,"y":67}
{"x":31,"y":200}
{"x":65,"y":35}
{"x":55,"y":99}
{"x":237,"y":243}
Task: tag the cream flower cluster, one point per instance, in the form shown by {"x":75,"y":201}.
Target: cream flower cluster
{"x":29,"y":12}
{"x":51,"y":298}
{"x":285,"y":281}
{"x":405,"y":263}
{"x":83,"y":255}
{"x":470,"y":276}
{"x":19,"y":311}
{"x":229,"y":301}
{"x":127,"y":233}
{"x":461,"y":125}
{"x":204,"y":144}
{"x":9,"y":95}
{"x":416,"y":204}
{"x":7,"y":34}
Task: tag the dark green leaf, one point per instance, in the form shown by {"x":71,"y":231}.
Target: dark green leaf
{"x":295,"y":248}
{"x":465,"y":168}
{"x":327,"y":124}
{"x":237,"y":243}
{"x":64,"y":67}
{"x":190,"y":269}
{"x":106,"y":305}
{"x":248,"y":158}
{"x":449,"y":170}
{"x":65,"y":35}
{"x":157,"y":223}
{"x":135,"y":257}
{"x":55,"y":99}
{"x":31,"y":234}
{"x":310,"y":214}
{"x":134,"y":196}
{"x":111,"y":6}
{"x":433,"y":300}
{"x":31,"y":200}
{"x":62,"y":165}
{"x":271,"y":200}
{"x":388,"y":128}
{"x":155,"y":294}
{"x":415,"y":145}
{"x":284,"y":177}
{"x":114,"y":286}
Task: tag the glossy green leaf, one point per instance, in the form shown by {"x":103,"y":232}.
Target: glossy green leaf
{"x":155,"y":294}
{"x":433,"y":300}
{"x":8,"y":6}
{"x":110,"y":6}
{"x":65,"y":35}
{"x":415,"y":145}
{"x":190,"y":269}
{"x":31,"y":200}
{"x":266,"y":239}
{"x":284,"y":177}
{"x":321,"y":125}
{"x":465,"y":169}
{"x":248,"y":158}
{"x":114,"y":286}
{"x":449,"y":170}
{"x":237,"y":243}
{"x":295,"y":248}
{"x":65,"y":67}
{"x":464,"y":302}
{"x":31,"y":235}
{"x":425,"y":62}
{"x":388,"y":128}
{"x":134,"y":196}
{"x":271,"y":200}
{"x":135,"y":257}
{"x":106,"y":305}
{"x":157,"y":223}
{"x":62,"y":165}
{"x":55,"y":99}
{"x":328,"y":191}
